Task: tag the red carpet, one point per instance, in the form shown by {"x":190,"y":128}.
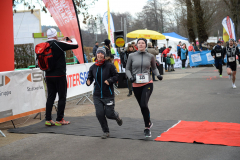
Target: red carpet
{"x":219,"y":133}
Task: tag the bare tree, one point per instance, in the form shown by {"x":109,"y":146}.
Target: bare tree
{"x":190,"y":24}
{"x":82,"y":6}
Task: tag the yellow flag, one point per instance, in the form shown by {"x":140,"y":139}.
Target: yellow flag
{"x":225,"y":35}
{"x":116,"y":64}
{"x":109,"y":32}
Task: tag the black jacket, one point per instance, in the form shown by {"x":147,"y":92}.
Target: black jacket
{"x":58,"y":48}
{"x":108,"y":52}
{"x":101,"y":73}
{"x":231,"y":52}
{"x":217,"y":49}
{"x":125,"y":58}
{"x":95,"y":50}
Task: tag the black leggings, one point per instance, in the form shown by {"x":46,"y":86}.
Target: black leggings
{"x":142,"y":95}
{"x":183,"y":63}
{"x":56,"y":85}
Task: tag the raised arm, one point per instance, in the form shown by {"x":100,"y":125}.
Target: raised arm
{"x":68,"y":45}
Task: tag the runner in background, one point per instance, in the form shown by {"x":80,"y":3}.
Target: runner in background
{"x":138,"y":71}
{"x":217,"y":53}
{"x":231,"y":51}
{"x":238,"y":45}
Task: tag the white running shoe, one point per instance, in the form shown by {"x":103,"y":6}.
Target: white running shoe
{"x":234,"y":86}
{"x":230,"y":77}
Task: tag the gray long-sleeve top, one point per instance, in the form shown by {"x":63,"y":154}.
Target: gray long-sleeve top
{"x":140,"y":62}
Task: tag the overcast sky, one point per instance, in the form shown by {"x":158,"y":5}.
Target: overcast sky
{"x":100,"y":7}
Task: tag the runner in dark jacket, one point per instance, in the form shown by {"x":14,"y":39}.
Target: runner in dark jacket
{"x":104,"y":74}
{"x":217,"y":53}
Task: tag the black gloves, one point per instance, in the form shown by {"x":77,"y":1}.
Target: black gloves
{"x":160,"y":77}
{"x":132,"y":79}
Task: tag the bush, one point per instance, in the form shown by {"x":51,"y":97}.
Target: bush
{"x":24,"y":55}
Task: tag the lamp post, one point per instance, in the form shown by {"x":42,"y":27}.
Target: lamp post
{"x":167,"y":41}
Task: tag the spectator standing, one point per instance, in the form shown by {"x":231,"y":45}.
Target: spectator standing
{"x":162,"y":48}
{"x":172,"y":62}
{"x":130,"y":49}
{"x":154,"y":52}
{"x":56,"y":78}
{"x":191,"y":47}
{"x":184,"y":55}
{"x":179,"y":45}
{"x":164,"y":55}
{"x":134,"y":45}
{"x":169,"y":62}
{"x":95,"y":48}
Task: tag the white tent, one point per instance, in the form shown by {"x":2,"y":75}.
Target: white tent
{"x":172,"y":42}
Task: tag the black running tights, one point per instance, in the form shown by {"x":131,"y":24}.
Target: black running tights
{"x":142,"y":95}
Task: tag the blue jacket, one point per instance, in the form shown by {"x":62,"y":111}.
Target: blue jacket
{"x":183,"y":54}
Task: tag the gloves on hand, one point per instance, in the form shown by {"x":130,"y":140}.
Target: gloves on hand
{"x":160,"y":77}
{"x":132,"y":79}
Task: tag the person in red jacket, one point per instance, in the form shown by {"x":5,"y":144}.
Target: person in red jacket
{"x":191,"y":47}
{"x":164,"y":55}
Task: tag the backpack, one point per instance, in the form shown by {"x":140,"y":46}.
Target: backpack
{"x":161,"y":50}
{"x":45,"y":57}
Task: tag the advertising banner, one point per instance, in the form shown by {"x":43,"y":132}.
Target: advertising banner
{"x":76,"y":79}
{"x":200,"y":58}
{"x":229,"y":27}
{"x":63,"y":12}
{"x":22,"y":93}
{"x":112,"y":29}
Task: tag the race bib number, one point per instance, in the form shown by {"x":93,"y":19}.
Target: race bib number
{"x":231,"y":59}
{"x":142,"y":78}
{"x":218,"y":55}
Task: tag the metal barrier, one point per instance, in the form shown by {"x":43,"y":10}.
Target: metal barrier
{"x":2,"y":133}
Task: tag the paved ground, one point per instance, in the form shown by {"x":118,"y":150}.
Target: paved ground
{"x":195,"y":94}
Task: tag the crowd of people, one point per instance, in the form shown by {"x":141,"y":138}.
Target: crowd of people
{"x":139,"y":61}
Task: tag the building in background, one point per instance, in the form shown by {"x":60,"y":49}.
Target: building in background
{"x":25,"y":23}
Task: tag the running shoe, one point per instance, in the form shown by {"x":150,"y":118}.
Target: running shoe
{"x":50,"y":123}
{"x":62,"y":122}
{"x":220,"y":75}
{"x":119,"y":120}
{"x":105,"y":135}
{"x":147,"y":132}
{"x":234,"y":86}
{"x":230,"y":77}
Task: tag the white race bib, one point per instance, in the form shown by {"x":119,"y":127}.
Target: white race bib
{"x":218,"y":54}
{"x":231,"y":59}
{"x":142,"y":78}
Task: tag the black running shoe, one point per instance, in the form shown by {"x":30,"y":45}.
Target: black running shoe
{"x":105,"y":135}
{"x":119,"y":120}
{"x":147,"y":132}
